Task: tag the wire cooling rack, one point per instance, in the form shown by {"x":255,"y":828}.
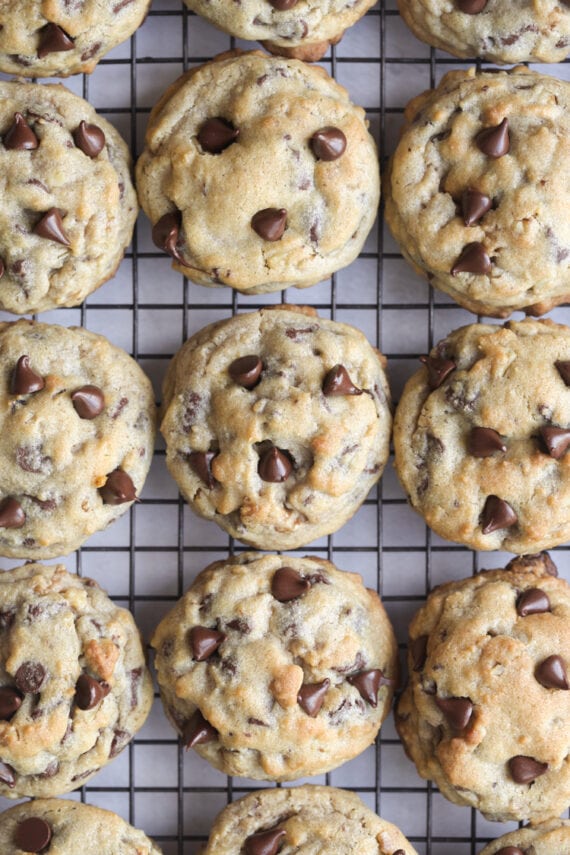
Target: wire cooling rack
{"x":148,"y":558}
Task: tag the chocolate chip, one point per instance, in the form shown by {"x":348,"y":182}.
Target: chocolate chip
{"x":525,"y":769}
{"x":24,"y":379}
{"x":471,"y":7}
{"x":474,"y":205}
{"x":7,"y":775}
{"x":399,"y":852}
{"x":53,"y":40}
{"x":563,"y":369}
{"x":533,"y":601}
{"x":494,"y":142}
{"x":311,"y":697}
{"x":88,"y":401}
{"x":165,"y":234}
{"x":246,"y":370}
{"x":29,"y":677}
{"x":32,"y":834}
{"x":90,"y":692}
{"x":328,"y":143}
{"x":201,"y":463}
{"x":473,"y":259}
{"x":89,"y":138}
{"x":484,"y":442}
{"x":337,"y":382}
{"x":51,"y":227}
{"x":367,"y":684}
{"x":10,"y":702}
{"x":509,"y":850}
{"x":121,"y":739}
{"x":556,"y":440}
{"x":118,"y":488}
{"x":438,"y":369}
{"x":2,"y":268}
{"x":274,"y":466}
{"x":204,"y":642}
{"x":551,"y":673}
{"x":287,"y":585}
{"x":458,"y":711}
{"x":497,"y":514}
{"x":264,"y":842}
{"x":418,"y":649}
{"x":11,"y":514}
{"x":217,"y":134}
{"x":270,"y":223}
{"x":20,"y":136}
{"x":198,"y":731}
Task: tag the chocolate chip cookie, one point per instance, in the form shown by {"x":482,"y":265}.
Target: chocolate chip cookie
{"x":303,"y":31}
{"x":258,"y":173}
{"x":68,"y":828}
{"x":478,"y":189}
{"x":547,"y":838}
{"x":323,"y":820}
{"x":75,"y":686}
{"x":77,"y":428}
{"x":277,"y":424}
{"x":495,"y":30}
{"x":68,"y":204}
{"x":481,"y":435}
{"x":276,"y":667}
{"x":485,"y":714}
{"x":56,"y":38}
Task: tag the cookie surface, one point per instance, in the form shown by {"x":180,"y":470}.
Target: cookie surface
{"x":485,"y":714}
{"x":276,"y":667}
{"x":495,"y":30}
{"x":238,"y":190}
{"x":548,"y":838}
{"x":481,"y":434}
{"x":68,"y":203}
{"x":77,"y":426}
{"x":70,"y":827}
{"x":67,"y":708}
{"x":478,"y":188}
{"x":312,"y":818}
{"x":289,"y":453}
{"x":56,"y":38}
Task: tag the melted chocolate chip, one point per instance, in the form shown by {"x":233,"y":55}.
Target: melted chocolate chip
{"x":30,"y":677}
{"x":471,"y":7}
{"x":165,"y":234}
{"x":217,"y":134}
{"x":20,"y":136}
{"x":274,"y":466}
{"x":533,"y":601}
{"x":337,"y":382}
{"x":10,"y":702}
{"x":24,"y":379}
{"x":418,"y":649}
{"x":270,"y":223}
{"x":204,"y":642}
{"x":197,"y":731}
{"x":53,"y":40}
{"x":7,"y":775}
{"x":438,"y":369}
{"x":458,"y":711}
{"x":551,"y":673}
{"x":246,"y":370}
{"x":509,"y":850}
{"x":367,"y":684}
{"x":484,"y":442}
{"x":90,"y":692}
{"x":474,"y":205}
{"x":473,"y":259}
{"x":328,"y":143}
{"x":121,"y":739}
{"x":88,"y":401}
{"x":89,"y":138}
{"x":311,"y":697}
{"x":494,"y":142}
{"x":524,"y":770}
{"x":265,"y":842}
{"x":51,"y":227}
{"x":201,"y":463}
{"x":563,"y":369}
{"x":118,"y":488}
{"x":2,"y":268}
{"x":556,"y":440}
{"x":497,"y":514}
{"x":11,"y":513}
{"x":32,"y":834}
{"x":287,"y":585}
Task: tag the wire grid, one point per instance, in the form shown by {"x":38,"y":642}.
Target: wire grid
{"x":147,"y":559}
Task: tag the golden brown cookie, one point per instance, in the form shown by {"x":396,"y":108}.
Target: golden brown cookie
{"x":547,"y":838}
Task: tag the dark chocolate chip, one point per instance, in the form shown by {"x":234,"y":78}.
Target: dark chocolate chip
{"x":165,"y":234}
{"x":418,"y":649}
{"x":89,"y":138}
{"x":204,"y":642}
{"x":287,"y":585}
{"x":473,"y":259}
{"x":7,"y":775}
{"x":337,"y":382}
{"x":551,"y":673}
{"x":270,"y":223}
{"x":201,"y":463}
{"x":217,"y":134}
{"x":88,"y":401}
{"x":33,"y":834}
{"x":484,"y":442}
{"x":471,"y":7}
{"x":328,"y":143}
{"x":494,"y":142}
{"x":533,"y":601}
{"x":51,"y":227}
{"x":458,"y":711}
{"x":118,"y":488}
{"x":197,"y":731}
{"x":20,"y":136}
{"x":2,"y":268}
{"x":556,"y":440}
{"x":10,"y":702}
{"x":121,"y":739}
{"x":367,"y":684}
{"x":274,"y":466}
{"x":497,"y":514}
{"x":438,"y":369}
{"x":524,"y":770}
{"x":474,"y":205}
{"x":563,"y":369}
{"x":24,"y":379}
{"x":311,"y":697}
{"x":11,"y":513}
{"x":53,"y":40}
{"x":265,"y":842}
{"x":90,"y":692}
{"x":30,"y":677}
{"x":509,"y":850}
{"x":399,"y":852}
{"x":246,"y":370}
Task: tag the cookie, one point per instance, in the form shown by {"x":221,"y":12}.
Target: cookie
{"x":75,"y":686}
{"x":64,"y":827}
{"x":481,"y":434}
{"x":277,"y":424}
{"x":548,"y":838}
{"x":258,"y":173}
{"x":77,"y":428}
{"x":477,"y":191}
{"x":56,"y":38}
{"x":323,"y":820}
{"x":68,"y":204}
{"x":302,"y":32}
{"x":485,"y":714}
{"x":492,"y":29}
{"x":274,"y":667}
